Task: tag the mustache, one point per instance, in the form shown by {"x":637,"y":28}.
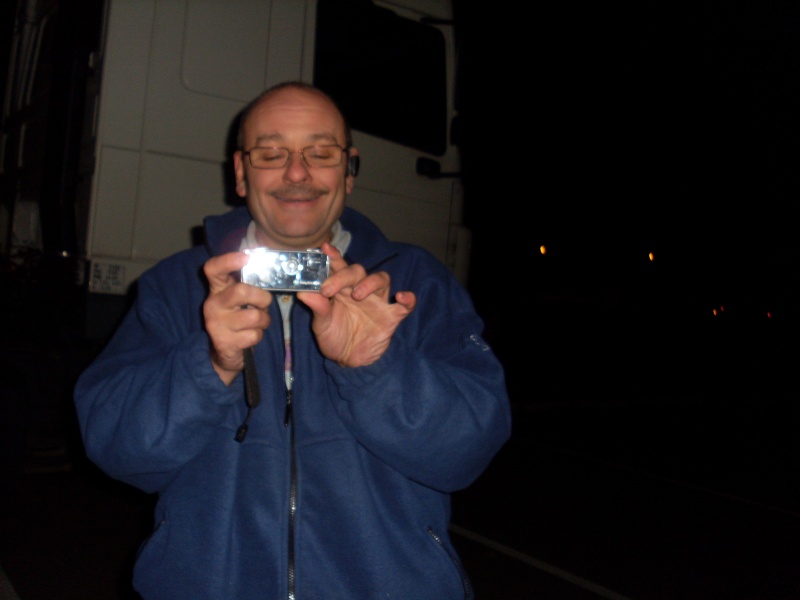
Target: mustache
{"x":299,"y":191}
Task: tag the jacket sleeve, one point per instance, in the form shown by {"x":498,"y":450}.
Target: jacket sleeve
{"x":151,"y":400}
{"x":435,"y":405}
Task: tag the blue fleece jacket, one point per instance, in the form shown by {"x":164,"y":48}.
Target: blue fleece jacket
{"x":349,"y":497}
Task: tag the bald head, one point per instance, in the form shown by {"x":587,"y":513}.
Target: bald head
{"x":300,"y":86}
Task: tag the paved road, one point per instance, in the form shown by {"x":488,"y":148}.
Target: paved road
{"x":672,"y":500}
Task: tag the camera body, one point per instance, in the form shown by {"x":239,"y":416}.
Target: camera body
{"x":286,"y":270}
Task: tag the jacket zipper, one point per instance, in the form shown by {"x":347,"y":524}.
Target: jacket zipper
{"x":465,"y":582}
{"x":289,"y":422}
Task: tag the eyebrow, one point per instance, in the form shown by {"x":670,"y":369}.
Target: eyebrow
{"x":278,"y":138}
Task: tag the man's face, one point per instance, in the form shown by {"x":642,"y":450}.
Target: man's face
{"x":295,"y":206}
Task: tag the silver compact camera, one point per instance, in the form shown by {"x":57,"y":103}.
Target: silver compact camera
{"x":286,"y":270}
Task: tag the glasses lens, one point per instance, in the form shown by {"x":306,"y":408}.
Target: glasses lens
{"x":323,"y":156}
{"x":276,"y":158}
{"x":268,"y":158}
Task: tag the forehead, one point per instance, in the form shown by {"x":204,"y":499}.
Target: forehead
{"x":295,"y":115}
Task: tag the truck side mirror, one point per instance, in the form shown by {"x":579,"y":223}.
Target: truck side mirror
{"x":432,"y":169}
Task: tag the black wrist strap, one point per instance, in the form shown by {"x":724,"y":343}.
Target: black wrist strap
{"x":252,"y":392}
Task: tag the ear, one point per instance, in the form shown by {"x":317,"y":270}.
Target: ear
{"x":351,"y":169}
{"x":241,"y":180}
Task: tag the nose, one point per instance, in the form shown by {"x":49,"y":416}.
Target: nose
{"x":296,"y":168}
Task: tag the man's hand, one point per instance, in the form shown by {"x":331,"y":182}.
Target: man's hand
{"x":353,"y":318}
{"x":236,"y":314}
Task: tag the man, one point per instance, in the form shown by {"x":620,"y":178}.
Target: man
{"x":317,"y":465}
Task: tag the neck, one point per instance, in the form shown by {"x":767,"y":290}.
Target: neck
{"x":256,"y":237}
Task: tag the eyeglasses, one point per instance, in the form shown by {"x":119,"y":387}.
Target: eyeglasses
{"x":329,"y":155}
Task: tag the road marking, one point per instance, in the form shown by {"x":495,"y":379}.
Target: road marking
{"x":538,"y":564}
{"x":7,"y":591}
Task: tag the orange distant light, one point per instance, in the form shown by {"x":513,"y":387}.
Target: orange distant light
{"x":651,"y":256}
{"x":542,"y":249}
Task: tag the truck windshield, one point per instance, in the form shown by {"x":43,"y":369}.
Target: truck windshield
{"x":387,"y":72}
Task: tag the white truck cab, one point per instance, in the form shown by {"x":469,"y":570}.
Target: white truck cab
{"x":173,"y":75}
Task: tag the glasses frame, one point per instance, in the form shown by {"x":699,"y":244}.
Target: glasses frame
{"x":301,"y":152}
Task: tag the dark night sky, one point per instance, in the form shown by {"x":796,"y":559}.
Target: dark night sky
{"x":609,"y":131}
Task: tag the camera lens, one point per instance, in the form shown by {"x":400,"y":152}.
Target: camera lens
{"x":291,"y":266}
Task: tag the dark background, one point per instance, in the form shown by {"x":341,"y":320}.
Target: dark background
{"x":609,"y":132}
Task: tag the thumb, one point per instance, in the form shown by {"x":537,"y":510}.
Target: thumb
{"x":219,"y":269}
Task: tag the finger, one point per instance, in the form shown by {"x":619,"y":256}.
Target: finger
{"x":406,"y":299}
{"x":219,"y":269}
{"x":237,"y":296}
{"x":337,"y":261}
{"x":376,"y":283}
{"x":348,"y":277}
{"x":250,"y":317}
{"x":227,"y":313}
{"x":242,"y":295}
{"x":318,"y":303}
